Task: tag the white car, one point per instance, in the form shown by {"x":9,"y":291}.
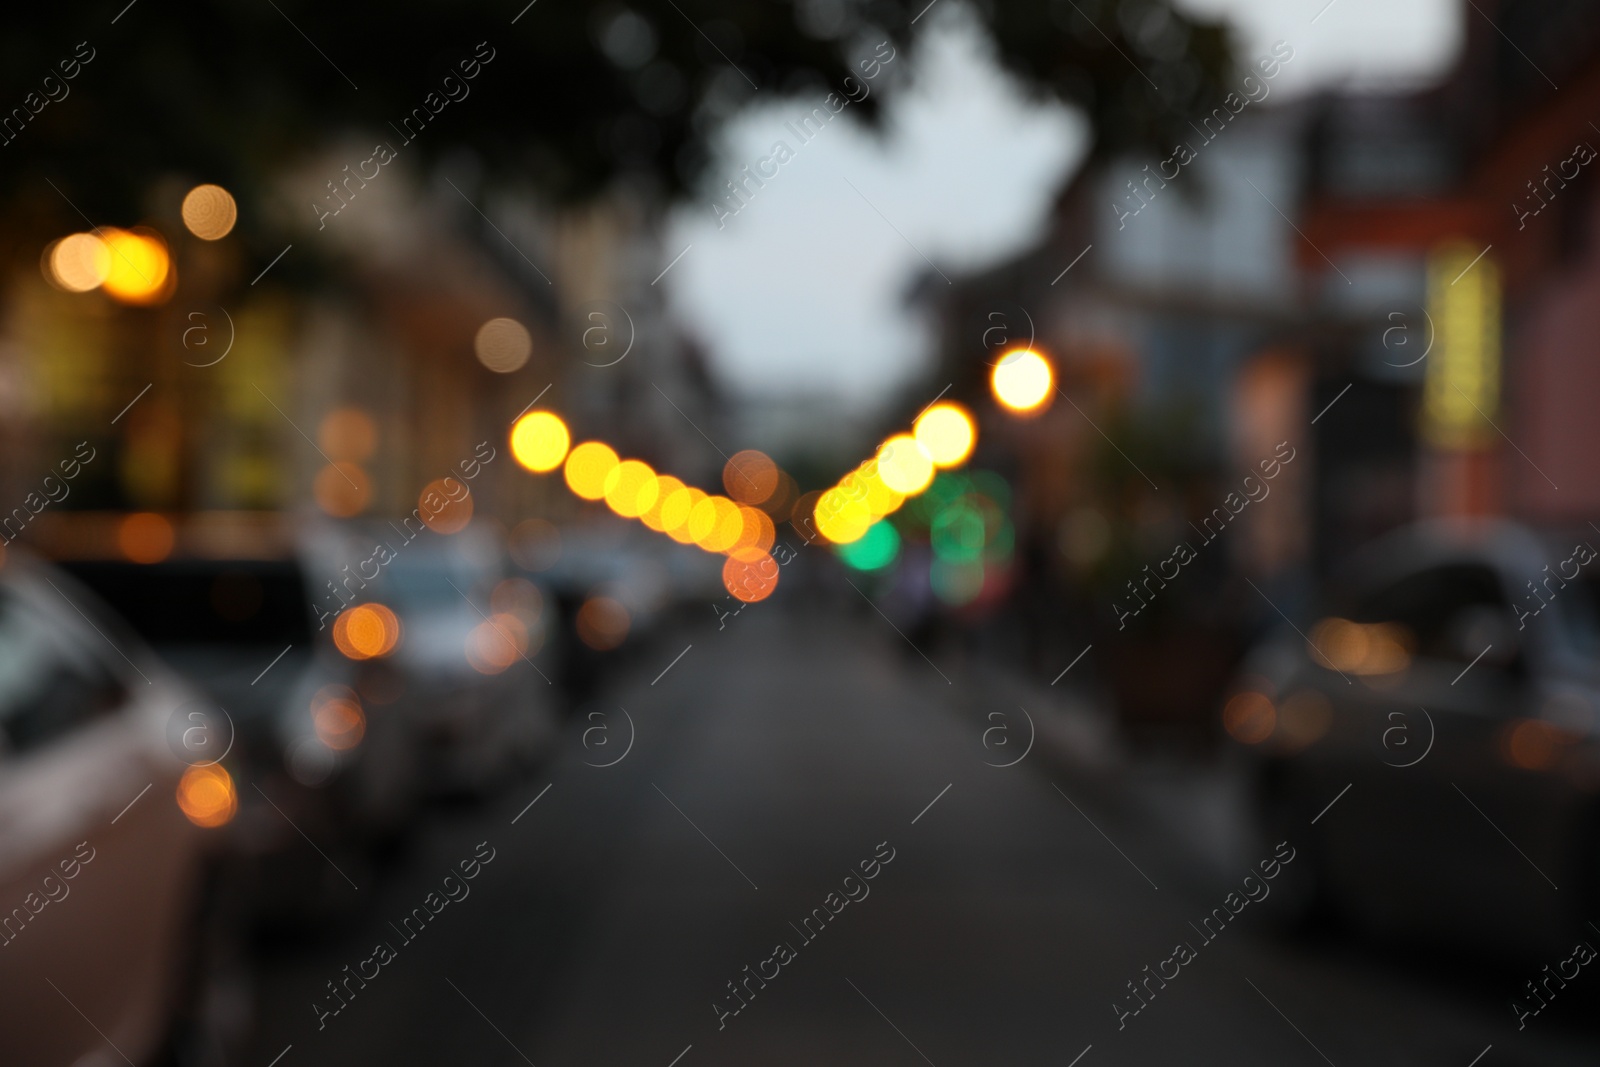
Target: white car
{"x":100,"y":870}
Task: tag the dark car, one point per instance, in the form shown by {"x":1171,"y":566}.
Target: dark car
{"x":1435,"y":742}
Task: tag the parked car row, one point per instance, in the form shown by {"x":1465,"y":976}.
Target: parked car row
{"x":1433,"y":743}
{"x":192,"y":747}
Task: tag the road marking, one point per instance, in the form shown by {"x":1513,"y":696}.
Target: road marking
{"x":531,"y":803}
{"x":1331,"y":803}
{"x":931,"y":803}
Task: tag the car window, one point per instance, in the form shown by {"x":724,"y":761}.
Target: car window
{"x":206,"y":602}
{"x":1451,"y":612}
{"x":50,"y":684}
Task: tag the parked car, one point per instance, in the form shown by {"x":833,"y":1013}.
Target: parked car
{"x":1434,"y":744}
{"x":103,"y":854}
{"x":327,"y":771}
{"x":472,"y":668}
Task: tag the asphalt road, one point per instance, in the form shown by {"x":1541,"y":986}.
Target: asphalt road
{"x":767,"y":763}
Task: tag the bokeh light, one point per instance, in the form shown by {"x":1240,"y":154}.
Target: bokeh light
{"x":366,"y":631}
{"x":652,"y":516}
{"x":497,"y":642}
{"x":348,"y":434}
{"x":904,"y":465}
{"x":1249,"y":717}
{"x":602,"y":623}
{"x":675,"y":512}
{"x":209,"y":212}
{"x":503,"y":345}
{"x":587,"y":468}
{"x":1022,"y":381}
{"x":78,"y":263}
{"x":206,"y":795}
{"x":440,"y":511}
{"x":342,"y":489}
{"x":337,"y":718}
{"x":842,"y":518}
{"x":140,"y":267}
{"x":145,"y":537}
{"x":750,"y":477}
{"x":874,"y":550}
{"x":631,"y":488}
{"x":536,"y":544}
{"x":946,"y":431}
{"x":539,"y":441}
{"x":750,"y":575}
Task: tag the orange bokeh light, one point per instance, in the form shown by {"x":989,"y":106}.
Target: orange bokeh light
{"x":1249,"y":717}
{"x":441,"y":511}
{"x":145,"y":537}
{"x":337,"y":718}
{"x":750,"y":477}
{"x":342,"y":489}
{"x":602,"y":623}
{"x":750,"y":575}
{"x":366,"y":631}
{"x":497,"y":643}
{"x":206,"y":795}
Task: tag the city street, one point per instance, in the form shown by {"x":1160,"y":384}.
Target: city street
{"x":1010,"y":910}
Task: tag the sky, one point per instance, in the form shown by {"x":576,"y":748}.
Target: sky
{"x":803,"y":290}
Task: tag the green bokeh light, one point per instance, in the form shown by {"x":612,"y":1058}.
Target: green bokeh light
{"x":874,"y":550}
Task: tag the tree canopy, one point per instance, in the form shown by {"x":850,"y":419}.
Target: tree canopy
{"x":106,"y":101}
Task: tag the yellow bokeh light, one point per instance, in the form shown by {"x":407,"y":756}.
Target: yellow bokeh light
{"x":946,"y":431}
{"x":209,"y":212}
{"x":675,"y":512}
{"x":904,"y":465}
{"x":630,"y":488}
{"x":842,"y":518}
{"x":588,"y":465}
{"x":140,"y":267}
{"x":206,"y":796}
{"x":866,"y":484}
{"x":654,"y":515}
{"x":539,"y":441}
{"x":78,"y":263}
{"x":1022,"y":381}
{"x":503,"y":345}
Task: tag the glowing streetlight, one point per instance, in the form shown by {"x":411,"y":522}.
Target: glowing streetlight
{"x":1022,"y":381}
